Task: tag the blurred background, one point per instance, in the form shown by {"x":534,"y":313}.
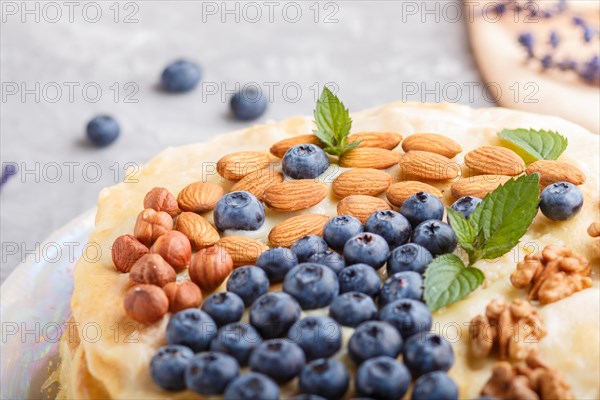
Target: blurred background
{"x":64,"y":63}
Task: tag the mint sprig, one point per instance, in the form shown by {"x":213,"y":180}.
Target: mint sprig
{"x":447,"y":280}
{"x":533,"y":145}
{"x":492,"y":230}
{"x":333,"y":124}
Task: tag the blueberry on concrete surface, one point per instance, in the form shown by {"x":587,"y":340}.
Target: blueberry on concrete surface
{"x":168,"y":365}
{"x":390,"y":225}
{"x":304,"y":161}
{"x":249,"y":103}
{"x":239,"y":211}
{"x":180,"y":76}
{"x":401,"y":285}
{"x":409,"y":257}
{"x":382,"y":378}
{"x":366,"y":248}
{"x":249,"y":283}
{"x":102,"y":130}
{"x":273,"y":313}
{"x":372,"y":339}
{"x":319,"y":337}
{"x":408,"y":316}
{"x":339,"y":229}
{"x":426,"y":352}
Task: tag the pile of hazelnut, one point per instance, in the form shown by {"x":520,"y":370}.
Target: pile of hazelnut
{"x":155,"y":253}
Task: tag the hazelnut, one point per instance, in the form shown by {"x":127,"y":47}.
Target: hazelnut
{"x":182,"y":295}
{"x":152,"y":269}
{"x":126,"y":250}
{"x":199,"y":197}
{"x":210,"y":267}
{"x":175,"y":248}
{"x":146,"y":303}
{"x":151,"y":224}
{"x":198,"y":230}
{"x":160,"y":199}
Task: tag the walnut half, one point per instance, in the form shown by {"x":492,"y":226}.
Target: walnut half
{"x":513,"y":329}
{"x":531,"y":380}
{"x":553,"y":274}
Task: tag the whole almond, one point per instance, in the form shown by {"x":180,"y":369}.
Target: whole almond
{"x":160,"y":199}
{"x":477,"y":186}
{"x":279,"y":148}
{"x":151,"y":224}
{"x":400,"y":191}
{"x":367,"y":181}
{"x":361,"y":206}
{"x":432,"y":142}
{"x":210,"y":267}
{"x":426,"y":165}
{"x":287,"y":232}
{"x":235,"y":166}
{"x":295,"y":195}
{"x":175,"y":248}
{"x":153,"y":270}
{"x":243,"y":251}
{"x":495,"y":160}
{"x":257,"y":182}
{"x":369,"y":157}
{"x":126,"y":250}
{"x":199,"y":197}
{"x":382,"y":140}
{"x":556,"y":171}
{"x":145,"y":303}
{"x":182,"y":295}
{"x":197,"y":229}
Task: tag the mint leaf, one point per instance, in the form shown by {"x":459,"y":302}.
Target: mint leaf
{"x":333,"y":123}
{"x":447,"y":280}
{"x":533,"y":145}
{"x":504,"y":216}
{"x":464,"y":232}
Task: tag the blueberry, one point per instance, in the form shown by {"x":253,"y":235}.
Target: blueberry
{"x":273,"y":314}
{"x":426,"y":352}
{"x":236,"y":339}
{"x":180,"y":76}
{"x":435,"y":385}
{"x":359,"y":278}
{"x":366,"y":248}
{"x":312,"y":285}
{"x":279,"y":359}
{"x":239,"y":211}
{"x":209,"y":373}
{"x":318,"y":337}
{"x":306,"y":396}
{"x":338,"y":230}
{"x":276,"y":262}
{"x":390,"y":225}
{"x":168,"y":366}
{"x":382,"y":378}
{"x":353,"y":308}
{"x":328,"y":378}
{"x":249,"y":103}
{"x":401,"y":285}
{"x":192,"y":328}
{"x":422,"y":206}
{"x":308,"y":245}
{"x":372,"y":339}
{"x":102,"y":130}
{"x":328,"y":258}
{"x":224,"y":307}
{"x":561,"y":201}
{"x":249,"y":283}
{"x":304,"y":161}
{"x":252,"y":386}
{"x":466,"y":205}
{"x":436,"y":236}
{"x":409,"y":257}
{"x":408,"y":316}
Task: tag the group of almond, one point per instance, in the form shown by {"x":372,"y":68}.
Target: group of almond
{"x":170,"y":228}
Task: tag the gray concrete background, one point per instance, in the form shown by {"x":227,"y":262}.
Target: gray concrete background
{"x":374,"y":51}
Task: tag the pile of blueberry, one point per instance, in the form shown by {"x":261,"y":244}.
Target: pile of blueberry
{"x":208,"y":347}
